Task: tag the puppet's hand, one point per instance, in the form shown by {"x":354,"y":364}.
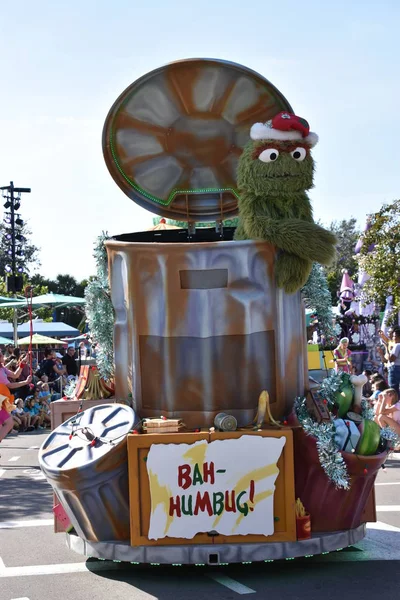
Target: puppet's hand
{"x":292,"y":272}
{"x":326,"y":242}
{"x":305,"y":239}
{"x":240,"y":233}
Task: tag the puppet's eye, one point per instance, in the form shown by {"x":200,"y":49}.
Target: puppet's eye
{"x":269,"y":155}
{"x":299,"y":154}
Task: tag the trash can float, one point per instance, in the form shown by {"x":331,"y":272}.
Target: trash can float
{"x":202,"y":329}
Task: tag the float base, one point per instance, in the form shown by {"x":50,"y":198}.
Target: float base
{"x":216,"y":554}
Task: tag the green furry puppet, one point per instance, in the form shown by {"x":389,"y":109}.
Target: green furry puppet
{"x":275,"y":171}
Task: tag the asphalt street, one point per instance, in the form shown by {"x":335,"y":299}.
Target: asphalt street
{"x":35,"y":563}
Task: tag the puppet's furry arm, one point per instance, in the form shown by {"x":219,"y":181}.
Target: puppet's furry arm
{"x":302,"y":238}
{"x":292,"y":272}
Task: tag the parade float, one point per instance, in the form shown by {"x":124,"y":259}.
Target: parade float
{"x":215,"y":449}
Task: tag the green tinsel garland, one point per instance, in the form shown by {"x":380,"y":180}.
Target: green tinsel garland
{"x":329,"y":456}
{"x":100,"y":312}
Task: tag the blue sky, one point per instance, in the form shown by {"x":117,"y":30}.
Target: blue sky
{"x":63,"y":64}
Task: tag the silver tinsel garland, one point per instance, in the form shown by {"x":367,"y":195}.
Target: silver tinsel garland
{"x":331,"y":385}
{"x":390,"y":436}
{"x":100,"y":312}
{"x":329,"y":455}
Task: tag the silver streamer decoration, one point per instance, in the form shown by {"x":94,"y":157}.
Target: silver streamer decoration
{"x":329,"y":455}
{"x":331,"y":385}
{"x":390,"y":436}
{"x":367,"y":412}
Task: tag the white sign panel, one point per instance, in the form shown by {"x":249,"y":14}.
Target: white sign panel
{"x":225,"y":486}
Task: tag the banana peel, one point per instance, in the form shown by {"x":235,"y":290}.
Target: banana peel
{"x":95,"y":388}
{"x":264,"y":412}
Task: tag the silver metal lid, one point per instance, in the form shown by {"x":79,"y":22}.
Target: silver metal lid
{"x":107,"y":424}
{"x":173,"y":138}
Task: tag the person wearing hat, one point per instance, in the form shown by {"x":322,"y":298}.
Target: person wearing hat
{"x":274,"y":173}
{"x":50,"y":366}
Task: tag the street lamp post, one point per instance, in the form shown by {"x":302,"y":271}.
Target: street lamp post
{"x":14,"y":280}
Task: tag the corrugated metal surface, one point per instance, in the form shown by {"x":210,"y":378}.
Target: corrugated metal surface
{"x":91,"y":481}
{"x":192,"y":351}
{"x":173,"y":138}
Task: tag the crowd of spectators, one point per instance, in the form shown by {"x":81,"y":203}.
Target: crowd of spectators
{"x":31,"y":385}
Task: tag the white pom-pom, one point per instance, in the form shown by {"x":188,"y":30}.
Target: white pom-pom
{"x":312,"y":139}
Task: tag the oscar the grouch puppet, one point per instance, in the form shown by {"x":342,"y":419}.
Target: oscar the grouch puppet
{"x":275,"y":171}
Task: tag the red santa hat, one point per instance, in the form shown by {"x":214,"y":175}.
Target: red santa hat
{"x":284,"y":127}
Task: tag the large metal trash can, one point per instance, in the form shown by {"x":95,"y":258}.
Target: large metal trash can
{"x":200,"y":326}
{"x":90,"y":477}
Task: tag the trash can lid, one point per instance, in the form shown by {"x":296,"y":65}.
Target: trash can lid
{"x":107,"y":424}
{"x":172,"y":139}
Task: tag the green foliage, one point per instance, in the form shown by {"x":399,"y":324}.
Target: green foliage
{"x":30,"y":251}
{"x":317,"y":297}
{"x":69,"y":286}
{"x":62,"y":284}
{"x":100,"y":312}
{"x":383,"y":262}
{"x":6,"y":314}
{"x":347,"y":235}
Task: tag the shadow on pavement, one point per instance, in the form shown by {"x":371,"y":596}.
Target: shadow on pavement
{"x":23,"y":497}
{"x":298,"y":579}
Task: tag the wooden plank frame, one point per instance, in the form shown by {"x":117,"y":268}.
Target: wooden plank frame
{"x":139,"y":490}
{"x":284,"y":496}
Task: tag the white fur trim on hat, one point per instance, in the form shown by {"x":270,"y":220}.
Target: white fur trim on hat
{"x":263,"y":131}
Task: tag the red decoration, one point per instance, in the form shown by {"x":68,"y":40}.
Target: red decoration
{"x":285,"y":121}
{"x":285,"y":422}
{"x":135,"y":432}
{"x":365,"y":471}
{"x":29,"y":296}
{"x":163,"y":418}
